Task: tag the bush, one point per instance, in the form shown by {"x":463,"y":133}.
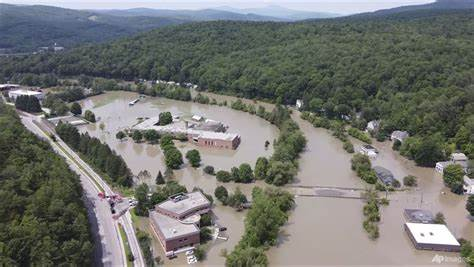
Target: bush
{"x":396,"y":145}
{"x":76,"y":109}
{"x":206,"y":220}
{"x":453,"y":176}
{"x":356,"y":133}
{"x":137,"y":136}
{"x":410,"y":180}
{"x":165,"y":118}
{"x":209,"y":170}
{"x":89,"y":116}
{"x":200,"y":253}
{"x":348,"y":146}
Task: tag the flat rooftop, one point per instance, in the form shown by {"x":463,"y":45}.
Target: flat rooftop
{"x":419,"y":216}
{"x":216,"y":135}
{"x":171,"y":228}
{"x":183,"y":205}
{"x":25,"y":92}
{"x":438,"y":234}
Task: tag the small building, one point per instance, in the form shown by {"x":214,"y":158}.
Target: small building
{"x":173,"y":234}
{"x":369,"y":151}
{"x":182,"y":205}
{"x":399,"y":135}
{"x":455,"y":158}
{"x":468,"y":185}
{"x":299,"y":103}
{"x":197,"y":118}
{"x":385,"y":176}
{"x":20,"y":92}
{"x":176,"y":220}
{"x":418,"y":216}
{"x":215,"y":139}
{"x":373,"y":126}
{"x":432,"y":237}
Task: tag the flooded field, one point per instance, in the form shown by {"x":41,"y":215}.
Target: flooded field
{"x":320,"y":231}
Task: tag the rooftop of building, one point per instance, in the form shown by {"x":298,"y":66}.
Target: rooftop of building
{"x":383,"y":174}
{"x":400,"y":134}
{"x":172,"y":228}
{"x":182,"y":203}
{"x":438,"y":234}
{"x":419,"y":216}
{"x":216,"y":135}
{"x":26,"y":92}
{"x":458,"y":157}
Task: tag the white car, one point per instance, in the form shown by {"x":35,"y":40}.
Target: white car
{"x":189,"y":252}
{"x":191,"y":259}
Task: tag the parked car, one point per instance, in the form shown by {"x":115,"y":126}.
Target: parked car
{"x":189,"y":252}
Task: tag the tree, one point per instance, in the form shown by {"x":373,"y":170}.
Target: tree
{"x":429,"y":152}
{"x":439,"y":218}
{"x":89,"y":116}
{"x":453,"y":176}
{"x":199,"y":253}
{"x":261,"y":167}
{"x":76,"y":109}
{"x":205,"y":234}
{"x":151,"y":136}
{"x":28,"y":103}
{"x":194,"y":158}
{"x":396,"y":145}
{"x":410,"y":180}
{"x":236,"y":199}
{"x":206,"y":220}
{"x":246,"y":257}
{"x":221,"y":194}
{"x":223,"y":176}
{"x":165,"y":118}
{"x":160,"y":179}
{"x":173,"y":158}
{"x":169,"y":173}
{"x":120,"y":135}
{"x":280,"y":173}
{"x":245,"y":173}
{"x":234,"y":174}
{"x":470,"y":205}
{"x":137,"y":136}
{"x":141,"y":195}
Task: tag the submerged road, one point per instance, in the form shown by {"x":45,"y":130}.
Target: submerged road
{"x":105,"y":228}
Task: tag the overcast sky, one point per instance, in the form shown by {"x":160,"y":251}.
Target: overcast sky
{"x":336,"y":6}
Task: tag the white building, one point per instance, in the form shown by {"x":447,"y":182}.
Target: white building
{"x":16,"y":93}
{"x":432,"y":237}
{"x":9,"y":86}
{"x":455,"y":158}
{"x":373,"y":126}
{"x":399,"y":135}
{"x":468,"y":185}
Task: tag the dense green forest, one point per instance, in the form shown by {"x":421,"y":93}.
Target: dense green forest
{"x":414,"y":70}
{"x":43,"y":221}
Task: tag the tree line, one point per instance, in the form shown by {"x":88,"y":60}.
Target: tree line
{"x":97,"y":153}
{"x":414,"y":73}
{"x":43,"y":221}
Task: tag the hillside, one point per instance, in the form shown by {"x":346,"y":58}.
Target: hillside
{"x":25,"y":28}
{"x":280,"y":12}
{"x":190,"y":15}
{"x":414,"y":71}
{"x":438,"y":5}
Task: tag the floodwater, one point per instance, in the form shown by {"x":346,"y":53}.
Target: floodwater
{"x":328,"y":231}
{"x":320,"y":231}
{"x":112,"y":110}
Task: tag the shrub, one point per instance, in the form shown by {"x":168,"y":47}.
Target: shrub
{"x":209,"y":170}
{"x":223,"y":176}
{"x":410,"y":180}
{"x":194,"y":158}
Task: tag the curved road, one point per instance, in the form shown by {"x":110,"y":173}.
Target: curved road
{"x":105,"y":228}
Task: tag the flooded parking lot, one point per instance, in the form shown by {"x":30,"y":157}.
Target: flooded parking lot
{"x":320,"y":231}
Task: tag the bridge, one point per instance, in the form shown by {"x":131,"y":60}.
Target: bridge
{"x":326,"y":191}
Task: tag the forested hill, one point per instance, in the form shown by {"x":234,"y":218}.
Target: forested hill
{"x":26,"y":28}
{"x":416,"y":72}
{"x":43,"y":221}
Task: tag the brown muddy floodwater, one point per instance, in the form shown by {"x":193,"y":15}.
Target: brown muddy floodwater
{"x":113,"y":111}
{"x":320,"y":231}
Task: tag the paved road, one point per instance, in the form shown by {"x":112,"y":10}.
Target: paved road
{"x":112,"y":249}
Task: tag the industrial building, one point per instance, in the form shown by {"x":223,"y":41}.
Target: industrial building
{"x":176,"y":220}
{"x":432,"y":237}
{"x":199,"y":131}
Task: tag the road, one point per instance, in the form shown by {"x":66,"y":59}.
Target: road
{"x":104,"y":226}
